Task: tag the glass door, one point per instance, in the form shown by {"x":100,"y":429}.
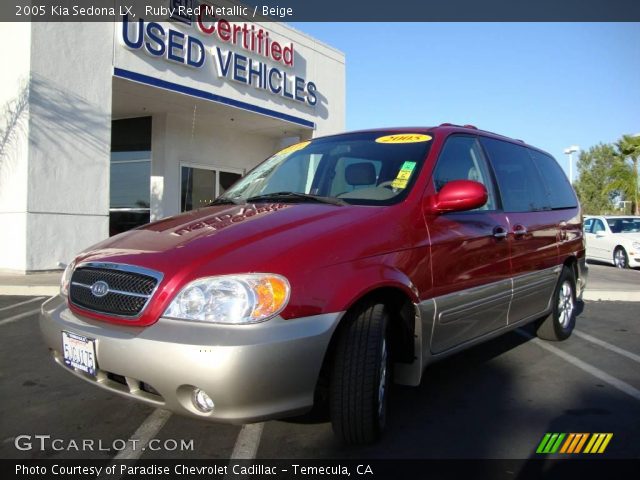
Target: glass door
{"x":198,"y":188}
{"x":130,"y":174}
{"x":202,"y":185}
{"x":130,"y":190}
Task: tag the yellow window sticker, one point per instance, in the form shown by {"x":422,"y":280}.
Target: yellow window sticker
{"x":408,"y":166}
{"x":404,"y":174}
{"x":404,"y":138}
{"x":293,"y":148}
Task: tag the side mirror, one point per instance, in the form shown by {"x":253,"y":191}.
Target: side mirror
{"x":458,"y":196}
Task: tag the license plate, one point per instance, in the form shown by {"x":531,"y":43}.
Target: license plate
{"x":79,"y":352}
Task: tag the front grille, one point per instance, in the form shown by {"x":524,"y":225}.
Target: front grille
{"x":129,"y":289}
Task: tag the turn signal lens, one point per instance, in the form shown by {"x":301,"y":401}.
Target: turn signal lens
{"x":271,"y":296}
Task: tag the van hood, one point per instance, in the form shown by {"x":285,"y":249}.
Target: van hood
{"x":252,"y":237}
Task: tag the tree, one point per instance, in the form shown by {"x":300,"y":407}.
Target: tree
{"x":594,"y":187}
{"x":628,"y":147}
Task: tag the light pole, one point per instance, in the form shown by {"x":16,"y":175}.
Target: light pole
{"x":570,"y":151}
{"x":635,"y":174}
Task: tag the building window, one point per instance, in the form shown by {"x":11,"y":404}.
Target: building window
{"x":201,"y":185}
{"x":130,"y":192}
{"x":130,"y":178}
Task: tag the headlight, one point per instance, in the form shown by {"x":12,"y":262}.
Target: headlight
{"x":236,"y":299}
{"x":66,"y":279}
{"x":636,"y":245}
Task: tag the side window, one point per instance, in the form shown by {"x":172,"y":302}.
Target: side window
{"x":560,"y":191}
{"x":520,"y":184}
{"x":462,"y":159}
{"x":588,"y":223}
{"x":598,"y":226}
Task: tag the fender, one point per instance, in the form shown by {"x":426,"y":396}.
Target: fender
{"x":338,"y":287}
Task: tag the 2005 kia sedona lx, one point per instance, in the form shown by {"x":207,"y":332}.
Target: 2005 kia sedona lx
{"x":335,"y":266}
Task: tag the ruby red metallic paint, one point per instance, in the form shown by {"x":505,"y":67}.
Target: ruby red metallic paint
{"x":332,"y":256}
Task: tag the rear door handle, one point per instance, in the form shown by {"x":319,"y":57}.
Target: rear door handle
{"x":500,"y":232}
{"x":519,"y":230}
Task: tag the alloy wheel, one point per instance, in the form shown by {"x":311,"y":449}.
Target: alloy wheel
{"x":620,"y":259}
{"x":565,"y":304}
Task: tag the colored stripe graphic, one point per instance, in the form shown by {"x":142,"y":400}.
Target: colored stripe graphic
{"x":550,"y":443}
{"x":598,"y":442}
{"x":574,"y":442}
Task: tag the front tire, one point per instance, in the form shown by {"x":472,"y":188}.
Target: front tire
{"x":620,"y":258}
{"x":562,"y":319}
{"x":360,"y":377}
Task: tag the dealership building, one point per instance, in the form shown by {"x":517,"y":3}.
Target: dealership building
{"x":109,"y":125}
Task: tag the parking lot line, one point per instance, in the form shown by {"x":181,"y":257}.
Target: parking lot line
{"x":145,"y":432}
{"x":246,"y":446}
{"x":608,"y":346}
{"x":575,"y":361}
{"x":18,"y":317}
{"x":248,"y":441}
{"x":21,"y":303}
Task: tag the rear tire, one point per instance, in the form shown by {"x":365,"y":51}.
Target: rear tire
{"x":620,"y":258}
{"x":360,"y":377}
{"x":562,"y":319}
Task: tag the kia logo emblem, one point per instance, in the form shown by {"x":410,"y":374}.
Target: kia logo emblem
{"x":99,"y":289}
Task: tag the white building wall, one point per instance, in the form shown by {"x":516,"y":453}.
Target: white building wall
{"x":14,"y":144}
{"x":55,"y":131}
{"x":69,"y":140}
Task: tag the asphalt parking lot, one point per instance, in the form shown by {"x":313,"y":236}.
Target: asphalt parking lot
{"x":496,"y":400}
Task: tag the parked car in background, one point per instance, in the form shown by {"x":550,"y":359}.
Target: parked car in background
{"x":334,"y":267}
{"x":613,"y":239}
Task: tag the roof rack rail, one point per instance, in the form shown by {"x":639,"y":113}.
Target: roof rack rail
{"x":456,"y":125}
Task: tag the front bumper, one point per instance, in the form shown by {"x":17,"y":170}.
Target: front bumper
{"x":634,"y":258}
{"x":252,"y":372}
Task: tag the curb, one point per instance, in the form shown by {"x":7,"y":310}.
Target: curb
{"x":611,"y":296}
{"x":30,"y":290}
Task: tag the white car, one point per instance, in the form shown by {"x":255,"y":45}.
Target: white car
{"x":613,"y":239}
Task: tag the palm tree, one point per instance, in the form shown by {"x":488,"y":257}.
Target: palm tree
{"x":629,"y":147}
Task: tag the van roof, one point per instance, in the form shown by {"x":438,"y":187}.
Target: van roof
{"x":445,"y":128}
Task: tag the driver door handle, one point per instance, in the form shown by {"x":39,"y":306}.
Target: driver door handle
{"x":519,"y":230}
{"x":500,"y":232}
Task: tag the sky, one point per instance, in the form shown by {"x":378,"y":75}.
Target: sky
{"x":550,"y":84}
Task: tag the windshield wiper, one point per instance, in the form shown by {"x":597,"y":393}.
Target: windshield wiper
{"x":227,"y":201}
{"x":288,"y":196}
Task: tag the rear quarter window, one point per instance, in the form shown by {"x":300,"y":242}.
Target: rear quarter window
{"x":560,"y":192}
{"x":519,"y":181}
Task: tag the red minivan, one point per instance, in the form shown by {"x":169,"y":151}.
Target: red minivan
{"x":334,"y":267}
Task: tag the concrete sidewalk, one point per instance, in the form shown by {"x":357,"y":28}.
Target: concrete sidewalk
{"x":32,"y":284}
{"x":612,"y":284}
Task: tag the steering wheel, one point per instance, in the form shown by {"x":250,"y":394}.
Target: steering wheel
{"x":386,"y":184}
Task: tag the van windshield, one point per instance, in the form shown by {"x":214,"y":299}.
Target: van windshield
{"x":370,"y":168}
